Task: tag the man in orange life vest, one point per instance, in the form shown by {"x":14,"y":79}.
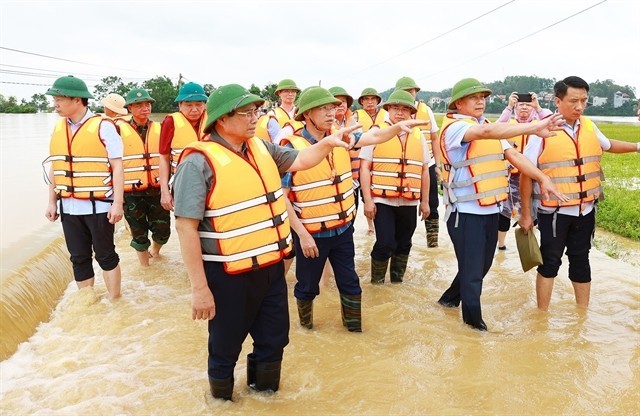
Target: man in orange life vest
{"x":430,"y":133}
{"x":230,"y":212}
{"x":525,"y":112}
{"x":178,"y":130}
{"x":572,"y":160}
{"x":321,"y":209}
{"x":369,"y":114}
{"x":395,"y":182}
{"x":142,"y":209}
{"x":86,"y":177}
{"x":475,"y":182}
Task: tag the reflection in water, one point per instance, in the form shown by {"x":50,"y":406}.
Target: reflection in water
{"x":144,"y":355}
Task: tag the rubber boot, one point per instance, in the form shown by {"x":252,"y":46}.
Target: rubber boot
{"x":221,"y":388}
{"x":378,"y":271}
{"x":398,"y":267}
{"x":351,"y":312}
{"x":267,"y":376}
{"x":305,"y":312}
{"x":433,"y":227}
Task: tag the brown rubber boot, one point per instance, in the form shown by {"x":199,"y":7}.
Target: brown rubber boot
{"x":378,"y":271}
{"x":305,"y":312}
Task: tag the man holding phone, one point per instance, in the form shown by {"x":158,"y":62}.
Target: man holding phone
{"x":527,"y":109}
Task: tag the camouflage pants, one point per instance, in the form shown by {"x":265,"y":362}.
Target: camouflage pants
{"x":143,"y":214}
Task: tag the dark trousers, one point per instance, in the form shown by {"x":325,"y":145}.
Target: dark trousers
{"x":434,"y":198}
{"x":574,"y":233}
{"x":340,"y":252}
{"x":252,"y":303}
{"x":85,"y":234}
{"x":394,"y":230}
{"x":474,"y":242}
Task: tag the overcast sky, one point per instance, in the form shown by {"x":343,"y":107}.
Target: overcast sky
{"x":354,"y":44}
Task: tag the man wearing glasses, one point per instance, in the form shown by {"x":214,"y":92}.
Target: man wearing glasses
{"x":321,"y":208}
{"x":233,"y":227}
{"x":394,"y":176}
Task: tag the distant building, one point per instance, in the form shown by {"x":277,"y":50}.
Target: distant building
{"x":599,"y":101}
{"x":619,"y":98}
{"x":433,"y":101}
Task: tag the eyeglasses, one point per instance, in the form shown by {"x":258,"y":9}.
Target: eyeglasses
{"x":257,"y":112}
{"x":328,"y":108}
{"x":400,"y":108}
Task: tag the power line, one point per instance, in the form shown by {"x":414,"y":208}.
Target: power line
{"x":513,"y":42}
{"x":67,"y":60}
{"x":66,"y":72}
{"x":427,"y":41}
{"x":29,"y":83}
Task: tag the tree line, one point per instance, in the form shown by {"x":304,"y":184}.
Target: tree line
{"x":164,"y":91}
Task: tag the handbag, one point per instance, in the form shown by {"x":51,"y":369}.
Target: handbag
{"x":528,"y":249}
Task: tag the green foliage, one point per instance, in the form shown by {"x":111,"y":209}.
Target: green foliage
{"x":11,"y":105}
{"x":112,"y":84}
{"x":40,"y":102}
{"x":164,"y":92}
{"x":208,"y":89}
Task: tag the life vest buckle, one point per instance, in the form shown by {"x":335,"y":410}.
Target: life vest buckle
{"x":68,"y":173}
{"x":338,"y":198}
{"x":282,"y":244}
{"x":401,"y":189}
{"x":402,"y":161}
{"x":402,"y":175}
{"x":277,"y":220}
{"x":337,"y":180}
{"x":581,"y":178}
{"x":271,"y":197}
{"x":148,"y":167}
{"x":342,"y":215}
{"x":146,"y":155}
{"x":447,"y":167}
{"x":582,"y":194}
{"x":579,"y":161}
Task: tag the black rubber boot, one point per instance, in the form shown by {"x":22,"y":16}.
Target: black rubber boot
{"x":378,"y":271}
{"x":251,"y":370}
{"x":221,"y":389}
{"x":305,"y":313}
{"x":267,"y":376}
{"x":398,"y":267}
{"x":351,"y":312}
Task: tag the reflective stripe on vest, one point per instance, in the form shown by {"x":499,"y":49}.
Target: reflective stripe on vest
{"x":80,"y":163}
{"x":245,"y":207}
{"x":573,"y":165}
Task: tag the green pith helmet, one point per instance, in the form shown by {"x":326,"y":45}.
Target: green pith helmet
{"x":341,"y":92}
{"x":466,"y":87}
{"x":69,"y":86}
{"x":138,"y":95}
{"x":401,"y":97}
{"x":191,"y":92}
{"x":286,"y":84}
{"x":369,"y":92}
{"x":406,"y":83}
{"x":312,"y":98}
{"x":226,"y":99}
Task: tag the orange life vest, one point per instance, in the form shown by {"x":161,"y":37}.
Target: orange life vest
{"x":262,"y":130}
{"x":184,"y":134}
{"x":396,"y":170}
{"x":423,"y":114}
{"x":281,"y":115}
{"x":367,"y":122}
{"x":141,"y":159}
{"x":245,"y":207}
{"x":486,"y":165}
{"x":574,"y":166}
{"x":518,"y":143}
{"x":80,"y":163}
{"x":322,"y":196}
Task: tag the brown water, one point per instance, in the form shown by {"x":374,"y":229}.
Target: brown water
{"x":143,"y":355}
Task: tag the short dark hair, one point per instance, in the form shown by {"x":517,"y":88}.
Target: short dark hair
{"x":561,"y":87}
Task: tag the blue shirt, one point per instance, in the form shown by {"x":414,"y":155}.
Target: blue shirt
{"x":287,"y":182}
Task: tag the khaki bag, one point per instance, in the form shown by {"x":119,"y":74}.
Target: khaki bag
{"x":528,"y":249}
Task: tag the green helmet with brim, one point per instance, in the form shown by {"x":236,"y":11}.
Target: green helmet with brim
{"x":464,"y":88}
{"x":400,"y":97}
{"x":312,"y":98}
{"x":341,"y":92}
{"x":69,"y":86}
{"x":369,"y":92}
{"x":226,"y":99}
{"x":286,"y":84}
{"x":406,"y":83}
{"x":138,"y":95}
{"x":191,"y":92}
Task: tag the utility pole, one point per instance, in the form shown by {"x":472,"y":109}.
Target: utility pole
{"x":179,"y":81}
